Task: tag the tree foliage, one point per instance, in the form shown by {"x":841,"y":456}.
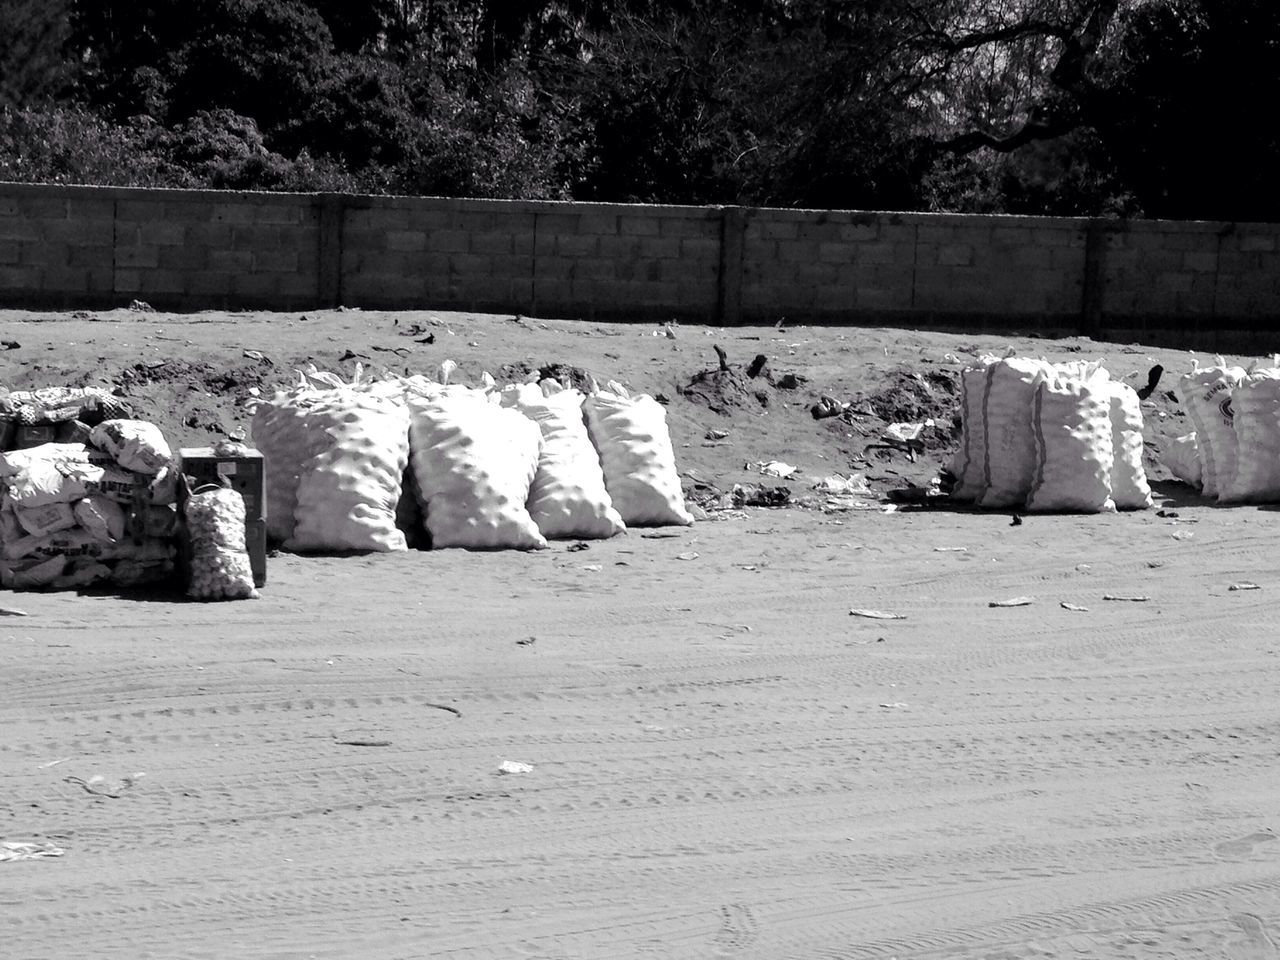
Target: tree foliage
{"x":1031,"y":106}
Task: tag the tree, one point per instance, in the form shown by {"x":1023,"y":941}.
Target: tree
{"x":33,"y":63}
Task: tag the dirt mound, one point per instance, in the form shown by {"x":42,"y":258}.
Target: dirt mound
{"x":909,"y":397}
{"x":236,"y":382}
{"x":722,"y":391}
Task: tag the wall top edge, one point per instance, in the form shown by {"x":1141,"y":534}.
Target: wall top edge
{"x":369,"y":201}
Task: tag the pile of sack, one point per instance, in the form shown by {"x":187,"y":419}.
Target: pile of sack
{"x":80,"y":513}
{"x":373,"y":466}
{"x":1233,"y":455}
{"x":29,"y":418}
{"x":1047,"y":437}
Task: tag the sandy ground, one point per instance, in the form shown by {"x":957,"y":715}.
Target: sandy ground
{"x":725,"y":763}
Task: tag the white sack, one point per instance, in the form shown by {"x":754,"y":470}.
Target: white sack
{"x":473,"y":463}
{"x":968,"y":465}
{"x":281,"y":433}
{"x":136,"y":445}
{"x":104,"y":518}
{"x":1010,"y":454}
{"x":1255,"y":406}
{"x":1181,"y":456}
{"x":568,"y":498}
{"x":1074,"y":453}
{"x":43,"y":482}
{"x":347,"y":494}
{"x":631,"y":436}
{"x":1129,"y":487}
{"x":1206,"y":393}
{"x":42,"y":521}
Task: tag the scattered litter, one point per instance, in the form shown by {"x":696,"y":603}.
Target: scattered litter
{"x":777,"y":468}
{"x":1122,"y":598}
{"x":891,"y":508}
{"x":1073,"y":606}
{"x":1244,"y":585}
{"x":893,"y":706}
{"x":54,"y":763}
{"x":876,"y":614}
{"x":1083,"y":567}
{"x":360,"y":740}
{"x":593,"y":567}
{"x":100,"y":786}
{"x":514,"y":766}
{"x":141,"y":306}
{"x":659,"y":535}
{"x":259,"y":356}
{"x":906,"y":432}
{"x":527,"y":642}
{"x":950,"y":549}
{"x":1168,"y":514}
{"x":691,"y":555}
{"x":1016,"y":521}
{"x":827,"y":407}
{"x":578,"y":547}
{"x":716,"y":434}
{"x":1013,"y":602}
{"x":854,"y":485}
{"x":21,"y":850}
{"x":10,"y":344}
{"x":790,"y":381}
{"x":758,"y":495}
{"x":13,"y":612}
{"x":1182,"y":534}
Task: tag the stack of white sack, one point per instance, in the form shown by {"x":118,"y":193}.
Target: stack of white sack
{"x":487,"y":468}
{"x":75,"y":514}
{"x":1233,"y":455}
{"x":1049,"y":437}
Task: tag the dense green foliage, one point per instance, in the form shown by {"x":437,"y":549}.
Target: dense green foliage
{"x":1155,"y":107}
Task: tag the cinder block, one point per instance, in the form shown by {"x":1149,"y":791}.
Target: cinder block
{"x":290,"y":212}
{"x":209,"y":283}
{"x":406,"y":240}
{"x":821,"y":232}
{"x":1260,"y":242}
{"x":630,"y":225}
{"x":1200,"y":261}
{"x":77,"y":256}
{"x":659,"y":248}
{"x":772,"y":229}
{"x":254,"y":237}
{"x":701,"y":248}
{"x":471,"y":265}
{"x":601,"y":224}
{"x":955,"y":254}
{"x":231,"y":261}
{"x":255,"y":285}
{"x":127,"y":281}
{"x":498,"y":242}
{"x":449,"y":241}
{"x":282,"y":261}
{"x":42,"y":208}
{"x":798,"y":251}
{"x":162,"y":232}
{"x":212,"y":235}
{"x":569,"y":246}
{"x":838,"y":252}
{"x":859,"y":232}
{"x":163,"y":281}
{"x":9,"y":252}
{"x":141,"y":256}
{"x":619,"y":248}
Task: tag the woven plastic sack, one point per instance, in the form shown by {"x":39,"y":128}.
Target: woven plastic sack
{"x":1255,"y":405}
{"x":568,"y":498}
{"x":68,"y":480}
{"x":78,"y":542}
{"x":473,"y":464}
{"x":631,"y":436}
{"x":347,"y":494}
{"x":136,"y":445}
{"x":1181,"y":457}
{"x":104,"y":518}
{"x":1207,"y":395}
{"x":13,"y":462}
{"x":280,"y":432}
{"x":42,"y":521}
{"x":1009,"y":460}
{"x":1129,"y":487}
{"x":968,"y":465}
{"x":1074,"y":453}
{"x":220,"y":568}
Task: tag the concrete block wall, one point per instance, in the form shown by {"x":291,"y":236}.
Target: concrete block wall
{"x":1214,"y":284}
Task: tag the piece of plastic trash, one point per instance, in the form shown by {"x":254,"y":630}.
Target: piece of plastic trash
{"x":906,"y":432}
{"x":776,"y":468}
{"x":1073,"y":606}
{"x":100,"y":786}
{"x":1013,"y":602}
{"x":1183,"y":535}
{"x":1244,"y":585}
{"x":23,"y":850}
{"x":593,"y":567}
{"x":876,"y":614}
{"x":950,"y":549}
{"x":854,"y":485}
{"x":514,"y":766}
{"x":893,"y":706}
{"x":691,"y":555}
{"x":13,"y":612}
{"x":1125,"y":599}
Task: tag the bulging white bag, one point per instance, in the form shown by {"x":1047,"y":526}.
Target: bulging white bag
{"x":1129,"y":487}
{"x":1009,"y":462}
{"x":136,"y":445}
{"x":1073,"y":445}
{"x":968,"y":465}
{"x":1181,"y":456}
{"x":347,"y":494}
{"x":280,"y":433}
{"x":473,"y":464}
{"x":1255,"y":406}
{"x":568,"y":498}
{"x":1206,"y":393}
{"x":631,"y":436}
